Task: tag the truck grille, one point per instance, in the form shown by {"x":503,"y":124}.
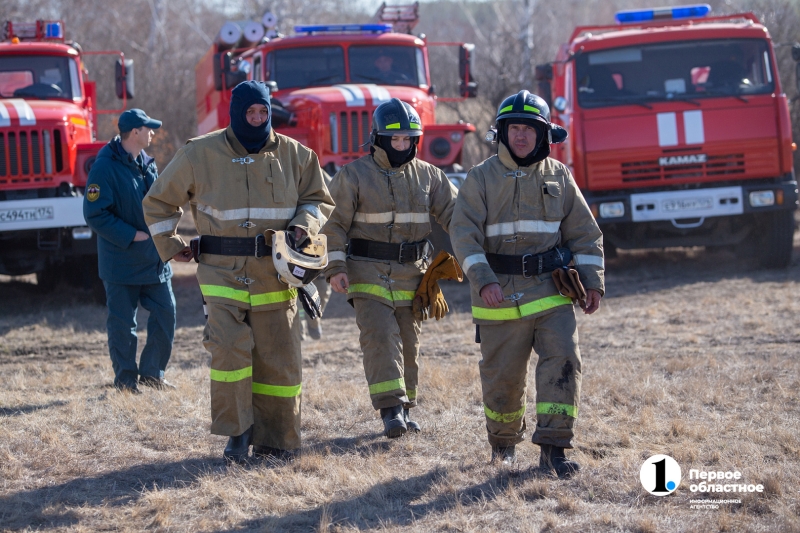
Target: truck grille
{"x":714,"y":166}
{"x":353,"y":132}
{"x":30,"y":156}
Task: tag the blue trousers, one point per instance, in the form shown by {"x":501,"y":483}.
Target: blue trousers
{"x":123,"y":302}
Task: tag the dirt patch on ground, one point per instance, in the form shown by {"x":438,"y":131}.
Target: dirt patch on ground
{"x":693,"y":354}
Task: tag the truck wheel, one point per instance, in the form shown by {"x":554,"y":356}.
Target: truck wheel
{"x":778,"y":239}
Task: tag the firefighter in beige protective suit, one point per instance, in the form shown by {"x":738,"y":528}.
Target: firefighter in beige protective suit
{"x":520,"y":216}
{"x":241,"y":182}
{"x":378,"y":253}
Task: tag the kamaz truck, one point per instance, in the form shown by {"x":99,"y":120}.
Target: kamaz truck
{"x":48,"y":134}
{"x":326,"y":81}
{"x":679,"y":131}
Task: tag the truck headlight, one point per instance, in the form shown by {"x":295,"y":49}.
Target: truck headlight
{"x":612,"y":210}
{"x":762,"y":198}
{"x":81,"y":233}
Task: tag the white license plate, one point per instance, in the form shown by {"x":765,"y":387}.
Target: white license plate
{"x":26,"y":213}
{"x":687,"y":204}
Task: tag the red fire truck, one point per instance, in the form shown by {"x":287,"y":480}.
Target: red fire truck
{"x":48,"y":130}
{"x":679,"y":131}
{"x":326,"y":81}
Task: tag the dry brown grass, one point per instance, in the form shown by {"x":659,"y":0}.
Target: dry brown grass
{"x":692,"y":355}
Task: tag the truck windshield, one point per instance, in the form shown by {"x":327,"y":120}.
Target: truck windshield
{"x":38,"y":77}
{"x":387,"y":65}
{"x":673,"y":71}
{"x":306,"y":67}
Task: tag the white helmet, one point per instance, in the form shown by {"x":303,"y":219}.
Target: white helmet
{"x":298,"y":266}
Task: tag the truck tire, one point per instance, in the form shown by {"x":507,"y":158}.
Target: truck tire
{"x":48,"y":279}
{"x":778,"y":239}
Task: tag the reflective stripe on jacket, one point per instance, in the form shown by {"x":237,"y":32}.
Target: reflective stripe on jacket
{"x":506,"y":209}
{"x":236,"y":194}
{"x":377,"y":202}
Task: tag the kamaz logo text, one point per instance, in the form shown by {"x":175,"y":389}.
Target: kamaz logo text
{"x":682,"y":160}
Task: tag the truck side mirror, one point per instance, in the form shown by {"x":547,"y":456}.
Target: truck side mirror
{"x":273,"y":86}
{"x":797,"y":77}
{"x":796,"y":51}
{"x":124,"y":79}
{"x":543,"y":75}
{"x":467,"y":88}
{"x":228,"y":67}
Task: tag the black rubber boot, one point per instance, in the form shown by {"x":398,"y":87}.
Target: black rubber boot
{"x":410,"y":424}
{"x":238,"y":447}
{"x":553,"y":458}
{"x":393,"y":424}
{"x":506,"y":454}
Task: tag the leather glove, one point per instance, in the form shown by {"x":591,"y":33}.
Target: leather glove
{"x":568,"y":283}
{"x":421,"y":300}
{"x":431,"y":299}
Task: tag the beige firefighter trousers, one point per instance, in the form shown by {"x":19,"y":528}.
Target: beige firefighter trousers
{"x":506,"y":350}
{"x":390,"y":343}
{"x":256,"y":373}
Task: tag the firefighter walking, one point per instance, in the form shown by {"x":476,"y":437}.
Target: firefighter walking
{"x":242,"y":182}
{"x":519,"y":217}
{"x":378,"y":253}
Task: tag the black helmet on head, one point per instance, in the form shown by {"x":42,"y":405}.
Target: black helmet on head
{"x":395,"y":118}
{"x":524,"y":105}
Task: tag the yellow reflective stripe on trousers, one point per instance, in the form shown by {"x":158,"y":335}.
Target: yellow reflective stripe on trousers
{"x":386,"y":386}
{"x":383,"y":292}
{"x":277,"y":390}
{"x":273,"y":297}
{"x":225,"y":292}
{"x":545,"y":408}
{"x":229,"y":376}
{"x":504,"y":418}
{"x":245,"y":296}
{"x":513,"y":313}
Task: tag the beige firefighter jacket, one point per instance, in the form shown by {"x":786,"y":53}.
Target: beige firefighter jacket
{"x":236,"y":194}
{"x":506,"y":209}
{"x":379,"y":203}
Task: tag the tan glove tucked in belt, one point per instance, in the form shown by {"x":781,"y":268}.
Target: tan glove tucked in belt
{"x":429,"y":300}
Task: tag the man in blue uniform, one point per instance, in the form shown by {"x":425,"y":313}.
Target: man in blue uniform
{"x":129,"y":265}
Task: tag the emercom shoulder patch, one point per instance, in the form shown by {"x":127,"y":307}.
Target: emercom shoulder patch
{"x":92,"y":192}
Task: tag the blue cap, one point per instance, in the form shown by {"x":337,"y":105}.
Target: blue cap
{"x":136,"y":118}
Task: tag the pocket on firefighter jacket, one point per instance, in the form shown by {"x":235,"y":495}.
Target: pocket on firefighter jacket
{"x":553,"y":201}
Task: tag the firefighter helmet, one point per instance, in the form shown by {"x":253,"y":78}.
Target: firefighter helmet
{"x":524,"y":105}
{"x":298,"y":265}
{"x":395,"y":118}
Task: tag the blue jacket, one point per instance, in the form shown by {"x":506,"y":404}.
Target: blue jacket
{"x":112,"y":207}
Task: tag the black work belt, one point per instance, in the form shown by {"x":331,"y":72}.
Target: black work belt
{"x":404,"y":252}
{"x":529,"y":264}
{"x":247,"y":246}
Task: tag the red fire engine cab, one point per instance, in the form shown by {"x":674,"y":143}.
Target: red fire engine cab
{"x":679,"y":131}
{"x":327,"y":80}
{"x":48,"y":131}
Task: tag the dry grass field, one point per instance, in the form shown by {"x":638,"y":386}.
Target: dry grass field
{"x":693,"y":354}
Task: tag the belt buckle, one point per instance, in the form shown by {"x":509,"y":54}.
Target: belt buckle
{"x":525,"y":270}
{"x":400,"y":255}
{"x":262,"y":240}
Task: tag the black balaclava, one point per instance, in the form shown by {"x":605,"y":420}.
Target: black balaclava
{"x":247,"y":93}
{"x":539,"y":153}
{"x":396,"y":157}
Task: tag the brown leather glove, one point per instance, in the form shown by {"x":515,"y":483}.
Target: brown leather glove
{"x":568,"y":283}
{"x":429,"y":300}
